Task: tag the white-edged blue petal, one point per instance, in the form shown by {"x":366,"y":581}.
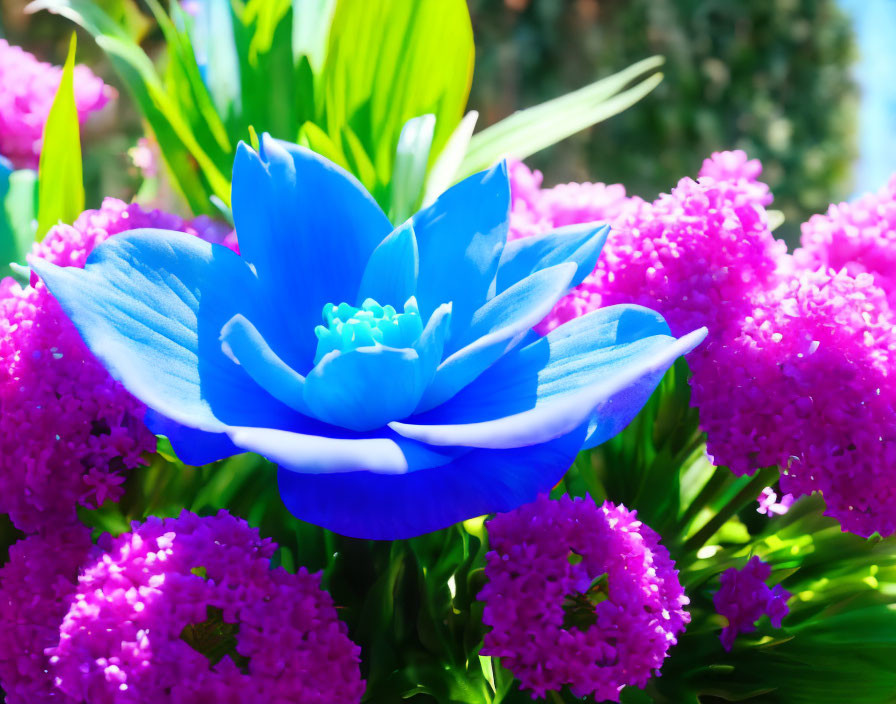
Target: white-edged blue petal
{"x":241,"y":342}
{"x":392,"y":506}
{"x":581,"y":244}
{"x":193,"y":447}
{"x":364,"y":388}
{"x":460,"y":238}
{"x":390,"y":277}
{"x":308,"y":227}
{"x":598,"y":369}
{"x":150,"y":304}
{"x":496,"y":328}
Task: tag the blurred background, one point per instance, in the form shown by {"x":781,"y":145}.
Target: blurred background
{"x":804,"y":85}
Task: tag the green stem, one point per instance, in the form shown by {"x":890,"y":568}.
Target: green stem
{"x":749,"y":493}
{"x":555,"y":697}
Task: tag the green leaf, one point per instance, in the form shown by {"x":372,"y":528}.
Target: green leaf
{"x":410,"y":166}
{"x":533,"y":129}
{"x":311,"y":30}
{"x":18,"y":214}
{"x":389,"y":61}
{"x":213,"y":43}
{"x":313,"y":137}
{"x":60,"y":180}
{"x":266,"y":15}
{"x":186,"y":154}
{"x":444,"y":171}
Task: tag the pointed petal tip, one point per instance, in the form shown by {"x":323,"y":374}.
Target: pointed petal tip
{"x":690,"y":341}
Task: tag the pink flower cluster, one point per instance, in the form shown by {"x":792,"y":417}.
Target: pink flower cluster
{"x":859,"y":237}
{"x":579,"y":595}
{"x":179,"y":610}
{"x":804,"y":385}
{"x":744,"y":598}
{"x":188,"y":609}
{"x":769,"y":504}
{"x":68,"y":432}
{"x":27,"y":90}
{"x":795,"y":371}
{"x":36,"y":588}
{"x":694,"y":254}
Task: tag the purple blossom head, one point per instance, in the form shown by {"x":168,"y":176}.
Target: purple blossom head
{"x":68,"y":432}
{"x":859,"y":236}
{"x":766,"y":395}
{"x":535,"y":210}
{"x":693,"y":254}
{"x":769,"y":504}
{"x":744,"y":598}
{"x":579,"y":595}
{"x":188,"y":609}
{"x":27,"y":90}
{"x":36,"y":587}
{"x":737,"y":167}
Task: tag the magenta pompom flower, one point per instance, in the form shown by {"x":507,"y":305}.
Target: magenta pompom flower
{"x":859,"y":236}
{"x":694,"y":254}
{"x":36,"y":588}
{"x":736,"y":166}
{"x":579,"y":595}
{"x":804,"y":384}
{"x":27,"y":90}
{"x":744,"y":598}
{"x":188,"y":609}
{"x":68,"y":432}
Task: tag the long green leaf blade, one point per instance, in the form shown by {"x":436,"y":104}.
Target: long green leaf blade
{"x":389,"y":61}
{"x":533,"y":129}
{"x":60,"y":177}
{"x":180,"y":147}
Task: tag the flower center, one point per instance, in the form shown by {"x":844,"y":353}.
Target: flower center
{"x":348,"y":328}
{"x":579,"y":607}
{"x":215,"y":638}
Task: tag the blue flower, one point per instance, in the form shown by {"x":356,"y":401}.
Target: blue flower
{"x":391,"y":374}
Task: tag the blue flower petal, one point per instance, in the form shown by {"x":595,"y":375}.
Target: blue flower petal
{"x":496,"y":328}
{"x":382,"y":506}
{"x":323,"y":454}
{"x":364,"y":388}
{"x":193,"y":447}
{"x":432,"y":342}
{"x":150,"y":305}
{"x":391,"y":274}
{"x":309,"y":228}
{"x":581,"y":244}
{"x":600,"y":368}
{"x":242,"y":342}
{"x":460,"y":238}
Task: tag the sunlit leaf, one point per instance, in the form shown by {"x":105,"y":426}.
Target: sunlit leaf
{"x":60,"y":177}
{"x":444,"y":171}
{"x":531,"y":130}
{"x":389,"y":61}
{"x":194,"y":172}
{"x":213,"y":43}
{"x":411,"y":158}
{"x":18,"y":213}
{"x":311,"y":29}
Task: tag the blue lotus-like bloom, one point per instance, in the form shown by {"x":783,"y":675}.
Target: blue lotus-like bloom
{"x":391,"y":374}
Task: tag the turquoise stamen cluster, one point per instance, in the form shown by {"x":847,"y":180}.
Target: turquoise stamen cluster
{"x":348,"y":328}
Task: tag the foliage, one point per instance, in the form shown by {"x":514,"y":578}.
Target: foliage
{"x":345,"y":93}
{"x":411,"y":604}
{"x":60,"y":183}
{"x":767,"y":76}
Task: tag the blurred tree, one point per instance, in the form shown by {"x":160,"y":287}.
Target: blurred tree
{"x":768,"y":76}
